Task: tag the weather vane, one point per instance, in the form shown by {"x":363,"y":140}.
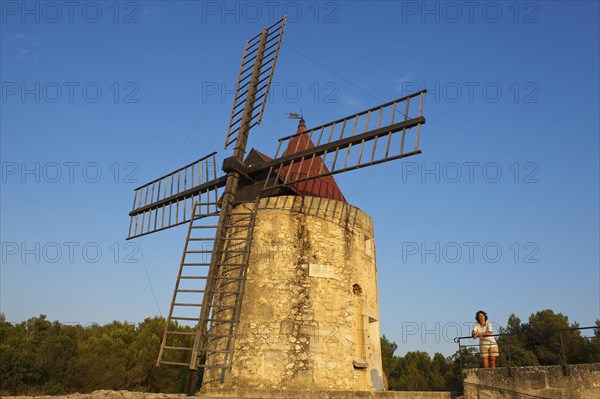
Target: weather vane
{"x":292,"y":115}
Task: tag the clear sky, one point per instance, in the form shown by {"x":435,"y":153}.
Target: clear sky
{"x":499,"y":212}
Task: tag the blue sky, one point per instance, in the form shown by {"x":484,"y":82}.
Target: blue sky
{"x":499,"y":212}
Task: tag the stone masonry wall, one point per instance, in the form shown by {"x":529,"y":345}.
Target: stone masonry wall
{"x":310,"y":317}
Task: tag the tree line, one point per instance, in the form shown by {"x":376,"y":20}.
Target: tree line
{"x":39,"y":356}
{"x":42,"y":357}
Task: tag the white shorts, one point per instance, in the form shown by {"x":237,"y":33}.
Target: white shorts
{"x":487,"y":349}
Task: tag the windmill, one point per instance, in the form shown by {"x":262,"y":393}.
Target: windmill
{"x":221,"y":211}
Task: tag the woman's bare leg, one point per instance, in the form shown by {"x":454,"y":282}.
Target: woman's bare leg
{"x":485,"y":362}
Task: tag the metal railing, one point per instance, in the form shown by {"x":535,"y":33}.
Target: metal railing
{"x":504,"y":343}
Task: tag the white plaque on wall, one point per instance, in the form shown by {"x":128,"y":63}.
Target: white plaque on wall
{"x":322,"y":271}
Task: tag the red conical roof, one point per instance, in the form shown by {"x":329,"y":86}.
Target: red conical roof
{"x":325,"y":186}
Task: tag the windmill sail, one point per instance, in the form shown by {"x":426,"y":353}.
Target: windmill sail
{"x":169,"y":200}
{"x":265,"y":56}
{"x":373,"y":136}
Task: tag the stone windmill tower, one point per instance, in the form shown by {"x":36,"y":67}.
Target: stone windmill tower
{"x":278,"y":278}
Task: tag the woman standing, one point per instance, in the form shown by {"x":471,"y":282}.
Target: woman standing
{"x":487,"y":344}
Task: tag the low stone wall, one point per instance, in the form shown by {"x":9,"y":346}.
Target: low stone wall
{"x":250,"y":394}
{"x":309,"y":394}
{"x":105,"y":394}
{"x":581,"y":381}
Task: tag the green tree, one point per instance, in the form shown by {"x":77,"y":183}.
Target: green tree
{"x":390,"y":363}
{"x":19,"y":365}
{"x":103,"y":357}
{"x":439,"y":372}
{"x":548,"y":344}
{"x":591,"y":352}
{"x":465,"y":358}
{"x":414,"y":371}
{"x":143,"y":373}
{"x":513,"y":346}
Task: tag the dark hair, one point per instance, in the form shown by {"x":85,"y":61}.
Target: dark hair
{"x":482,"y":312}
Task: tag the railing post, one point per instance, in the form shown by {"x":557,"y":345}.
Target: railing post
{"x":563,"y":357}
{"x":460,"y":357}
{"x":509,"y":357}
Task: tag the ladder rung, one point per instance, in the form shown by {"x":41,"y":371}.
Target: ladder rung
{"x":187,"y":304}
{"x":190,"y":290}
{"x":234,"y":252}
{"x":180,"y":332}
{"x":227,"y":292}
{"x":219,"y":320}
{"x":234,"y":225}
{"x":226,"y":283}
{"x":212,"y":366}
{"x":235,"y":239}
{"x":184,"y":318}
{"x":194,"y":277}
{"x":217,"y":351}
{"x":204,"y":227}
{"x":223,"y":313}
{"x":199,"y":251}
{"x":178,"y":348}
{"x":224,"y":306}
{"x":174,"y":363}
{"x":231,"y":264}
{"x":228,"y":278}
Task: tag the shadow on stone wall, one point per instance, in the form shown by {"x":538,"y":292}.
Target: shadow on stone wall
{"x":340,"y":213}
